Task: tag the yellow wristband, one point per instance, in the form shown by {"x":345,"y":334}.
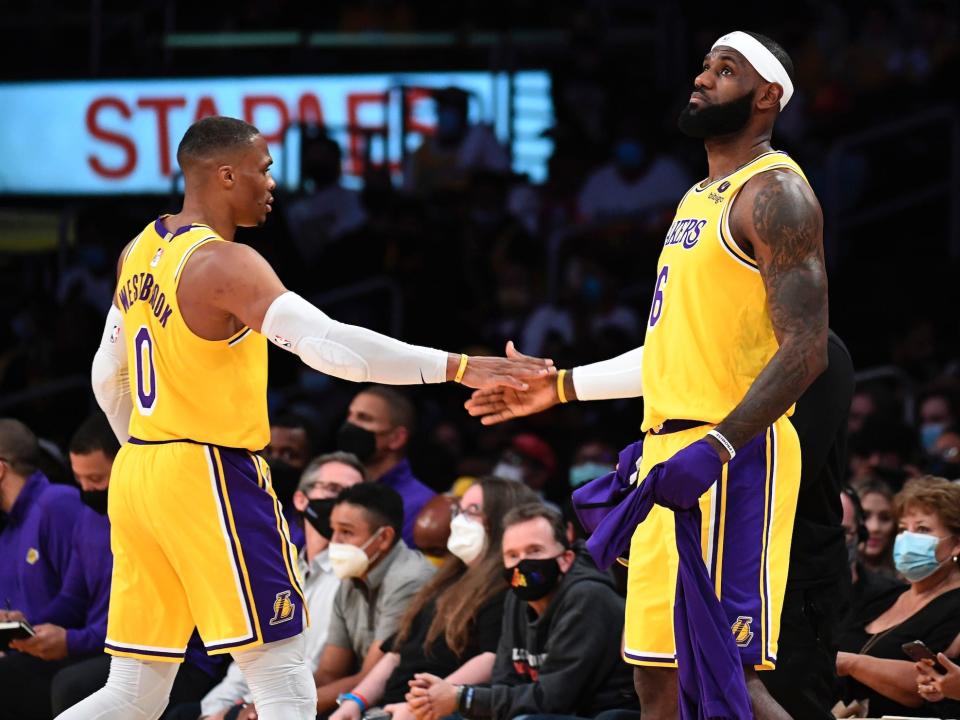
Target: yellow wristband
{"x":560,"y":393}
{"x":462,"y":369}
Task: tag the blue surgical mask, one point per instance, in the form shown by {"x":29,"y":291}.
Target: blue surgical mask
{"x":585,"y":472}
{"x":915,"y":555}
{"x":930,"y":433}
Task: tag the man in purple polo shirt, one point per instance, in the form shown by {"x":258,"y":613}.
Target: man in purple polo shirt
{"x":36,"y":539}
{"x":65,"y":661}
{"x":379,"y":424}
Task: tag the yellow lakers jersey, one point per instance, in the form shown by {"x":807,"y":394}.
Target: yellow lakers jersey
{"x":184,"y":387}
{"x":709,"y":333}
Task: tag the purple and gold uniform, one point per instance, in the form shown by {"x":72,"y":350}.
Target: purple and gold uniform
{"x":198,"y":536}
{"x":709,"y":336}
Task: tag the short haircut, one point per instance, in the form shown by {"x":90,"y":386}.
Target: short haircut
{"x":294,"y":421}
{"x":213,"y":135}
{"x":18,"y":446}
{"x":402,"y":412}
{"x":933,"y":495}
{"x":778,"y":52}
{"x":95,"y":434}
{"x":306,"y":477}
{"x":382,"y":504}
{"x":532,"y":511}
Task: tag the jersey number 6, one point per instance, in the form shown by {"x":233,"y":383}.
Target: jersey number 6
{"x":656,"y":308}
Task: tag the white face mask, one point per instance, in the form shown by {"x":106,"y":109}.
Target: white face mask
{"x":467,"y":538}
{"x":350,"y":561}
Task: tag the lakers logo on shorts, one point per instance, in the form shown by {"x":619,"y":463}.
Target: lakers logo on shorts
{"x":283,"y":608}
{"x":742,"y":634}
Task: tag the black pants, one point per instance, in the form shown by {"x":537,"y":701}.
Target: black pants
{"x":74,"y":683}
{"x":805,"y":681}
{"x":25,"y":686}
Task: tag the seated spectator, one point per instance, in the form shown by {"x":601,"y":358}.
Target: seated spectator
{"x":530,"y":460}
{"x":432,"y":528}
{"x":328,"y":211}
{"x":591,"y":459}
{"x":36,"y":542}
{"x":882,"y":448}
{"x":876,"y":498}
{"x":638,"y":179}
{"x":944,"y":459}
{"x":937,"y":409}
{"x":291,"y":445}
{"x":446,"y":159}
{"x":926,"y":552}
{"x":323,"y":480}
{"x":559,"y":650}
{"x":378,"y":429}
{"x":380,"y":575}
{"x":452,"y":627}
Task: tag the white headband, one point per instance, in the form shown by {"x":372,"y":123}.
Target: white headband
{"x":763,"y":61}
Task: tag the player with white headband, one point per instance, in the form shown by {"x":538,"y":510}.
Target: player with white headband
{"x":737,"y":331}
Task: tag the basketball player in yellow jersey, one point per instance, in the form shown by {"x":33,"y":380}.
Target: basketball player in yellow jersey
{"x":198,"y":536}
{"x":737,"y":331}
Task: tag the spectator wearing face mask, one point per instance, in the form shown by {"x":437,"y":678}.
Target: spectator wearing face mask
{"x":380,"y":422}
{"x":938,"y":408}
{"x":324,"y":478}
{"x":944,"y":458}
{"x":379,"y":577}
{"x":529,"y":460}
{"x":446,"y":159}
{"x":926,"y":553}
{"x":559,"y":650}
{"x":637,"y":180}
{"x":291,"y":445}
{"x":452,"y":627}
{"x":591,"y":460}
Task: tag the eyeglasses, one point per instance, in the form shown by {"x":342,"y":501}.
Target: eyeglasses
{"x":330,"y":488}
{"x":473,"y":510}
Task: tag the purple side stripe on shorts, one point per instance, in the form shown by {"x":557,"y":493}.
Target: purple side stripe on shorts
{"x":212,"y":455}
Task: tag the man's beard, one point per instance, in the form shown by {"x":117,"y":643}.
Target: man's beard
{"x":715,"y":120}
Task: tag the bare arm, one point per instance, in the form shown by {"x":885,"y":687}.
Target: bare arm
{"x":328,"y":691}
{"x":374,"y":684}
{"x":475,"y":671}
{"x":779,"y":214}
{"x":895,"y":679}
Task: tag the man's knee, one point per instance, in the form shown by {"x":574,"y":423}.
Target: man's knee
{"x":657,"y":689}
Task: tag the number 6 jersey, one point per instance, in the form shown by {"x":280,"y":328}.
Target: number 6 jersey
{"x":708,"y":334}
{"x":184,"y":387}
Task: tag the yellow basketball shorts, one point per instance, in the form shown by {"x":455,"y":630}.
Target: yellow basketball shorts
{"x":199,"y":540}
{"x":747,"y":527}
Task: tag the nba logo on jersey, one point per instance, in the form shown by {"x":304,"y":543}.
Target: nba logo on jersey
{"x":742,"y":634}
{"x":283,"y":608}
{"x":156,"y":258}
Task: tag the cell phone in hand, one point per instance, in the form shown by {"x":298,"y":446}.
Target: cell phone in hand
{"x":14,"y":630}
{"x":377,"y":714}
{"x":917,"y":651}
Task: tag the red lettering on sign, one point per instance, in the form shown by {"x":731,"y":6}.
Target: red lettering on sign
{"x":250,"y":105}
{"x":161,"y":106}
{"x":354,"y":101}
{"x":206,"y":107}
{"x":309,"y":109}
{"x":122,"y":141}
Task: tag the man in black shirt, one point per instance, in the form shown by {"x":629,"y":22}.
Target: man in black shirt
{"x":818,"y":585}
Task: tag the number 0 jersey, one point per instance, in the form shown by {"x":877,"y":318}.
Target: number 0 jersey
{"x":709,"y":333}
{"x":184,"y":387}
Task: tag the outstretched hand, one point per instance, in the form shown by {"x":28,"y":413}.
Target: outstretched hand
{"x":514,"y":371}
{"x":501,"y":403}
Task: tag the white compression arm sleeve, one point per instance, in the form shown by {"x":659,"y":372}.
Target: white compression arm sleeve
{"x":619,"y":377}
{"x":109,"y":376}
{"x":347,"y":351}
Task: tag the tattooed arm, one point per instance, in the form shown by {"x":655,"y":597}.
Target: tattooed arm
{"x":778,"y":214}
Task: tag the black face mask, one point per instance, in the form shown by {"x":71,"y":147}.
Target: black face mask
{"x":357,"y":440}
{"x":716,"y":120}
{"x":284,"y":478}
{"x":533,"y":579}
{"x":96,"y":500}
{"x":318,"y":515}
